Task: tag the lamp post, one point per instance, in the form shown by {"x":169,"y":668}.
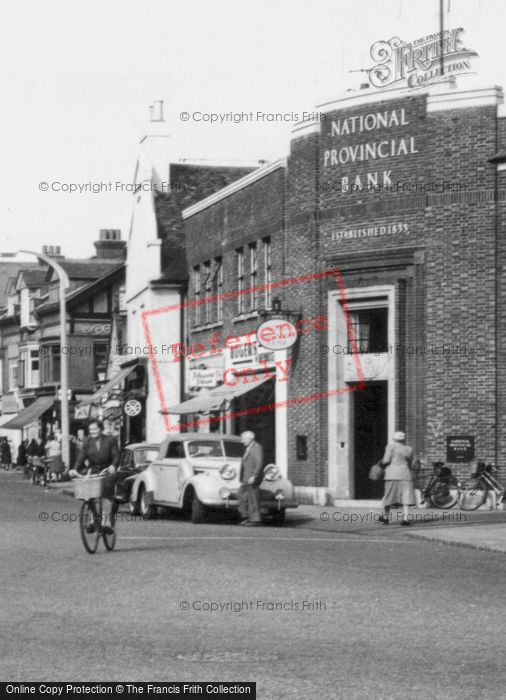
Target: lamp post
{"x":64,"y":357}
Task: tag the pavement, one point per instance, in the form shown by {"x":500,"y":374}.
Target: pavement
{"x":482,"y":529}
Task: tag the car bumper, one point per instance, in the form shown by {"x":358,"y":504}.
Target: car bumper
{"x":268,"y":502}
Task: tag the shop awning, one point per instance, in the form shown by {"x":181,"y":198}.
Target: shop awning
{"x":30,"y":414}
{"x":96,"y":397}
{"x":214,"y":399}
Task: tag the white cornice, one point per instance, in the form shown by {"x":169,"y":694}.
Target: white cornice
{"x":240,"y":184}
{"x":462,"y":99}
{"x":306,"y":128}
{"x":439,"y":97}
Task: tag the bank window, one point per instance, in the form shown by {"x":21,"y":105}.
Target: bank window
{"x":196,"y":293}
{"x":207,"y":291}
{"x":253,"y":275}
{"x":240,"y":280}
{"x":370,"y":330}
{"x":267,"y":273}
{"x":218,"y":277}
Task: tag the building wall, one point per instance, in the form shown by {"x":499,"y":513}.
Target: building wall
{"x":442,"y":266}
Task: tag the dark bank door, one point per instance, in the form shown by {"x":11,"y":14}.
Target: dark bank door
{"x":370,"y":436}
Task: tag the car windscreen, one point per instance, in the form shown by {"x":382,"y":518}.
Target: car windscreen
{"x":204,"y":448}
{"x":233,"y":449}
{"x":145,"y":456}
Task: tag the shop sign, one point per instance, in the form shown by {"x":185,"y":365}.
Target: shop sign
{"x":206,"y":377}
{"x":132,"y":407}
{"x":92,"y":328}
{"x":459,"y":448}
{"x":248,"y":353}
{"x":276,"y":334}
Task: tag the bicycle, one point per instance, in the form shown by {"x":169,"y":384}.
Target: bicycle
{"x":89,"y":489}
{"x":472,"y":497}
{"x":40,"y":469}
{"x":442,"y":489}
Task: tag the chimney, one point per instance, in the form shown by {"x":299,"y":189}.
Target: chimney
{"x":110,"y":245}
{"x":52,"y":251}
{"x":155,"y":150}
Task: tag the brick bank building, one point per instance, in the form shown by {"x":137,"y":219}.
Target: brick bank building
{"x":403,"y":192}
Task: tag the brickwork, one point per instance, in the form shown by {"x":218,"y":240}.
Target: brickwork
{"x":443,"y":252}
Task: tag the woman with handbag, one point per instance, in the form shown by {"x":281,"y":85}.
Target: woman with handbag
{"x":399,"y":490}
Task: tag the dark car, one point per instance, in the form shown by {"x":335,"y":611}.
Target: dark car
{"x":134,"y":459}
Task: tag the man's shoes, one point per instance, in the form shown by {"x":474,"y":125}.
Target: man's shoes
{"x":406,"y":523}
{"x":384,"y":520}
{"x":252,"y":524}
{"x":91,"y":528}
{"x":244,"y":521}
{"x":107,"y":530}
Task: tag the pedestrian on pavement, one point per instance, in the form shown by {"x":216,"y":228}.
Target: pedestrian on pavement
{"x":22,"y":457}
{"x":399,"y":491}
{"x":251,"y":476}
{"x":36,"y":448}
{"x":100,"y":451}
{"x":54,"y":453}
{"x":5,"y":454}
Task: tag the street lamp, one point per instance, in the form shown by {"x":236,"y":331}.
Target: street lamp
{"x":64,"y":363}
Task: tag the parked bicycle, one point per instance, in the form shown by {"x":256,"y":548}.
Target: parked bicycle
{"x":40,"y":470}
{"x":442,"y":489}
{"x":91,"y":516}
{"x":484,"y":481}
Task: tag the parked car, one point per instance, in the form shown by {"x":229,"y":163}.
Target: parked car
{"x":134,"y":459}
{"x":195,"y":472}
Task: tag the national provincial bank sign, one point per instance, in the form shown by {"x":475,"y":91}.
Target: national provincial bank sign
{"x":351,"y":150}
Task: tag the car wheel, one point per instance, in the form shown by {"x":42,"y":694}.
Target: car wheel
{"x":278,"y":517}
{"x":198,"y":511}
{"x":146,"y":509}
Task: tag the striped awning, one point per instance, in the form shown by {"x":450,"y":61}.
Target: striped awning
{"x":30,"y":414}
{"x":216,"y":399}
{"x":117,"y":379}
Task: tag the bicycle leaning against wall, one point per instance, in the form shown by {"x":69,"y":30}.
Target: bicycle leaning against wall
{"x":475,"y":494}
{"x":440,"y":487}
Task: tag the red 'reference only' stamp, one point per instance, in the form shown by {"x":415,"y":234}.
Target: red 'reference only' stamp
{"x":218,"y":343}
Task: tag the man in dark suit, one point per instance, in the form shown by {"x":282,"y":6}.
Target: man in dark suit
{"x":251,"y":476}
{"x":100,"y":451}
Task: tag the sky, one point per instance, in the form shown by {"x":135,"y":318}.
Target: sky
{"x":78,"y":79}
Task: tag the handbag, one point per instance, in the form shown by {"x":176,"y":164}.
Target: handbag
{"x":376,"y":472}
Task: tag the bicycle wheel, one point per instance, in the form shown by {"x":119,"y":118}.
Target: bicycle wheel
{"x":89,"y":525}
{"x":110,"y":540}
{"x":442,"y":495}
{"x":473,"y":497}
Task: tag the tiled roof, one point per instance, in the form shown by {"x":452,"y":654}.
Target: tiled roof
{"x":189,"y":184}
{"x":88,"y":270}
{"x":36,"y":277}
{"x":10,"y":270}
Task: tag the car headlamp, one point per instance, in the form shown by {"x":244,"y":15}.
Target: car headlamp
{"x":271,"y":472}
{"x":227,"y":472}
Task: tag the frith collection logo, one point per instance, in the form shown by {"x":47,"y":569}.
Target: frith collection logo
{"x":419,"y":63}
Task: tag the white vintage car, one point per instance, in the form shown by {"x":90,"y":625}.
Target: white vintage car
{"x":195,"y":472}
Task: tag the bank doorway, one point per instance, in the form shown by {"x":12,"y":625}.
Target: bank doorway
{"x":263,"y":423}
{"x":370,"y":435}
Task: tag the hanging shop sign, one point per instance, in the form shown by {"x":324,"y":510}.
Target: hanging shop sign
{"x":276,"y":334}
{"x":132,"y":407}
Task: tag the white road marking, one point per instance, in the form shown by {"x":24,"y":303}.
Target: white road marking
{"x":333,"y":540}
